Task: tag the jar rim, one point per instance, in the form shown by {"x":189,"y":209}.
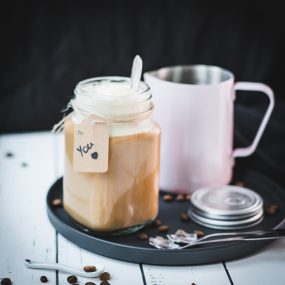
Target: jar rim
{"x":128,"y":104}
{"x":79,"y":90}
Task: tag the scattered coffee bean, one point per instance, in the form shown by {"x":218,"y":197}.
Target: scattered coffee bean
{"x":89,"y":268}
{"x":188,"y":196}
{"x":143,"y":236}
{"x":9,"y":154}
{"x":90,"y":283}
{"x":56,"y":202}
{"x":44,"y":279}
{"x":105,"y":283}
{"x":163,"y":228}
{"x":24,"y":164}
{"x":6,"y":281}
{"x":184,"y":217}
{"x":272,"y":210}
{"x":156,"y":223}
{"x":168,"y":198}
{"x":199,"y":233}
{"x":105,"y":276}
{"x":180,"y":198}
{"x":72,"y":279}
{"x":240,"y":183}
{"x":193,"y":283}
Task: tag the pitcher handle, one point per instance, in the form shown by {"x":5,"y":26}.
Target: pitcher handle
{"x":251,"y":86}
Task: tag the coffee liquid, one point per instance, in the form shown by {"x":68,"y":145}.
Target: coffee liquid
{"x":127,"y":194}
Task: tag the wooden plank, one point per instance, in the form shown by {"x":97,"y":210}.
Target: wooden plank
{"x":58,"y":142}
{"x":169,"y":275}
{"x":121,"y":272}
{"x":24,"y":228}
{"x":265,"y":267}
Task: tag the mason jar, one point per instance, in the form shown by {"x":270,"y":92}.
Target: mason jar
{"x":123,"y":198}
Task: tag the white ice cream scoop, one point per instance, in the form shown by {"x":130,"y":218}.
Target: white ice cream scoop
{"x":64,"y":268}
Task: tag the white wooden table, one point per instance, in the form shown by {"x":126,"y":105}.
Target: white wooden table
{"x":25,"y":231}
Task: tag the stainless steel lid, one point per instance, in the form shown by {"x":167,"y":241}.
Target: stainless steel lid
{"x":224,"y":227}
{"x":226,"y":207}
{"x":232,"y":217}
{"x":226,"y":200}
{"x":228,"y":223}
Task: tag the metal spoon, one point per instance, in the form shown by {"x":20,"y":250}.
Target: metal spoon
{"x":173,"y":241}
{"x":64,"y":268}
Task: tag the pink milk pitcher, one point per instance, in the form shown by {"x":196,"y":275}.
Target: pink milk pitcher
{"x":194,"y":107}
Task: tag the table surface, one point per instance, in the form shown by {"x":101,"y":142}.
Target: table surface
{"x":36,"y":161}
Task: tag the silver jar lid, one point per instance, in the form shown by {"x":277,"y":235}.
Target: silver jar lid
{"x":226,"y":200}
{"x":226,"y":207}
{"x":230,"y":217}
{"x":212,"y":225}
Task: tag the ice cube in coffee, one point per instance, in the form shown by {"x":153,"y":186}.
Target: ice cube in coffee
{"x":125,"y":196}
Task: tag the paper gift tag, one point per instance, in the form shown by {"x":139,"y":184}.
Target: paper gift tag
{"x":91,"y":146}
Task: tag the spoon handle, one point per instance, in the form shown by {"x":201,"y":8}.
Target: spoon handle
{"x":62,"y":268}
{"x":136,"y":72}
{"x":266,"y":236}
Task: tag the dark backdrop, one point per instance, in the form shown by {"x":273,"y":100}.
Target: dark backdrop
{"x":48,"y":46}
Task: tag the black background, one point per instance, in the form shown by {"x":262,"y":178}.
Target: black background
{"x":48,"y":46}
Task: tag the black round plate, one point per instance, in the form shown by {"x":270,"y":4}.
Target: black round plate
{"x":130,"y":248}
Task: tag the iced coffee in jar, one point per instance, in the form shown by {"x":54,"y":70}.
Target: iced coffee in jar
{"x":112,"y":149}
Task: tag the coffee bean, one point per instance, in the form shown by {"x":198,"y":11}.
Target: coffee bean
{"x":188,"y":196}
{"x":56,"y":202}
{"x":199,"y":233}
{"x":184,"y":217}
{"x":6,"y":281}
{"x":180,"y":198}
{"x":24,"y":164}
{"x":44,"y":279}
{"x":89,"y":268}
{"x":105,"y":276}
{"x":168,"y":198}
{"x":105,"y":283}
{"x":9,"y":154}
{"x":272,"y":210}
{"x":240,"y":183}
{"x":90,"y":283}
{"x":72,"y":279}
{"x":143,"y":236}
{"x":156,"y":223}
{"x":163,"y":228}
{"x":193,"y":283}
